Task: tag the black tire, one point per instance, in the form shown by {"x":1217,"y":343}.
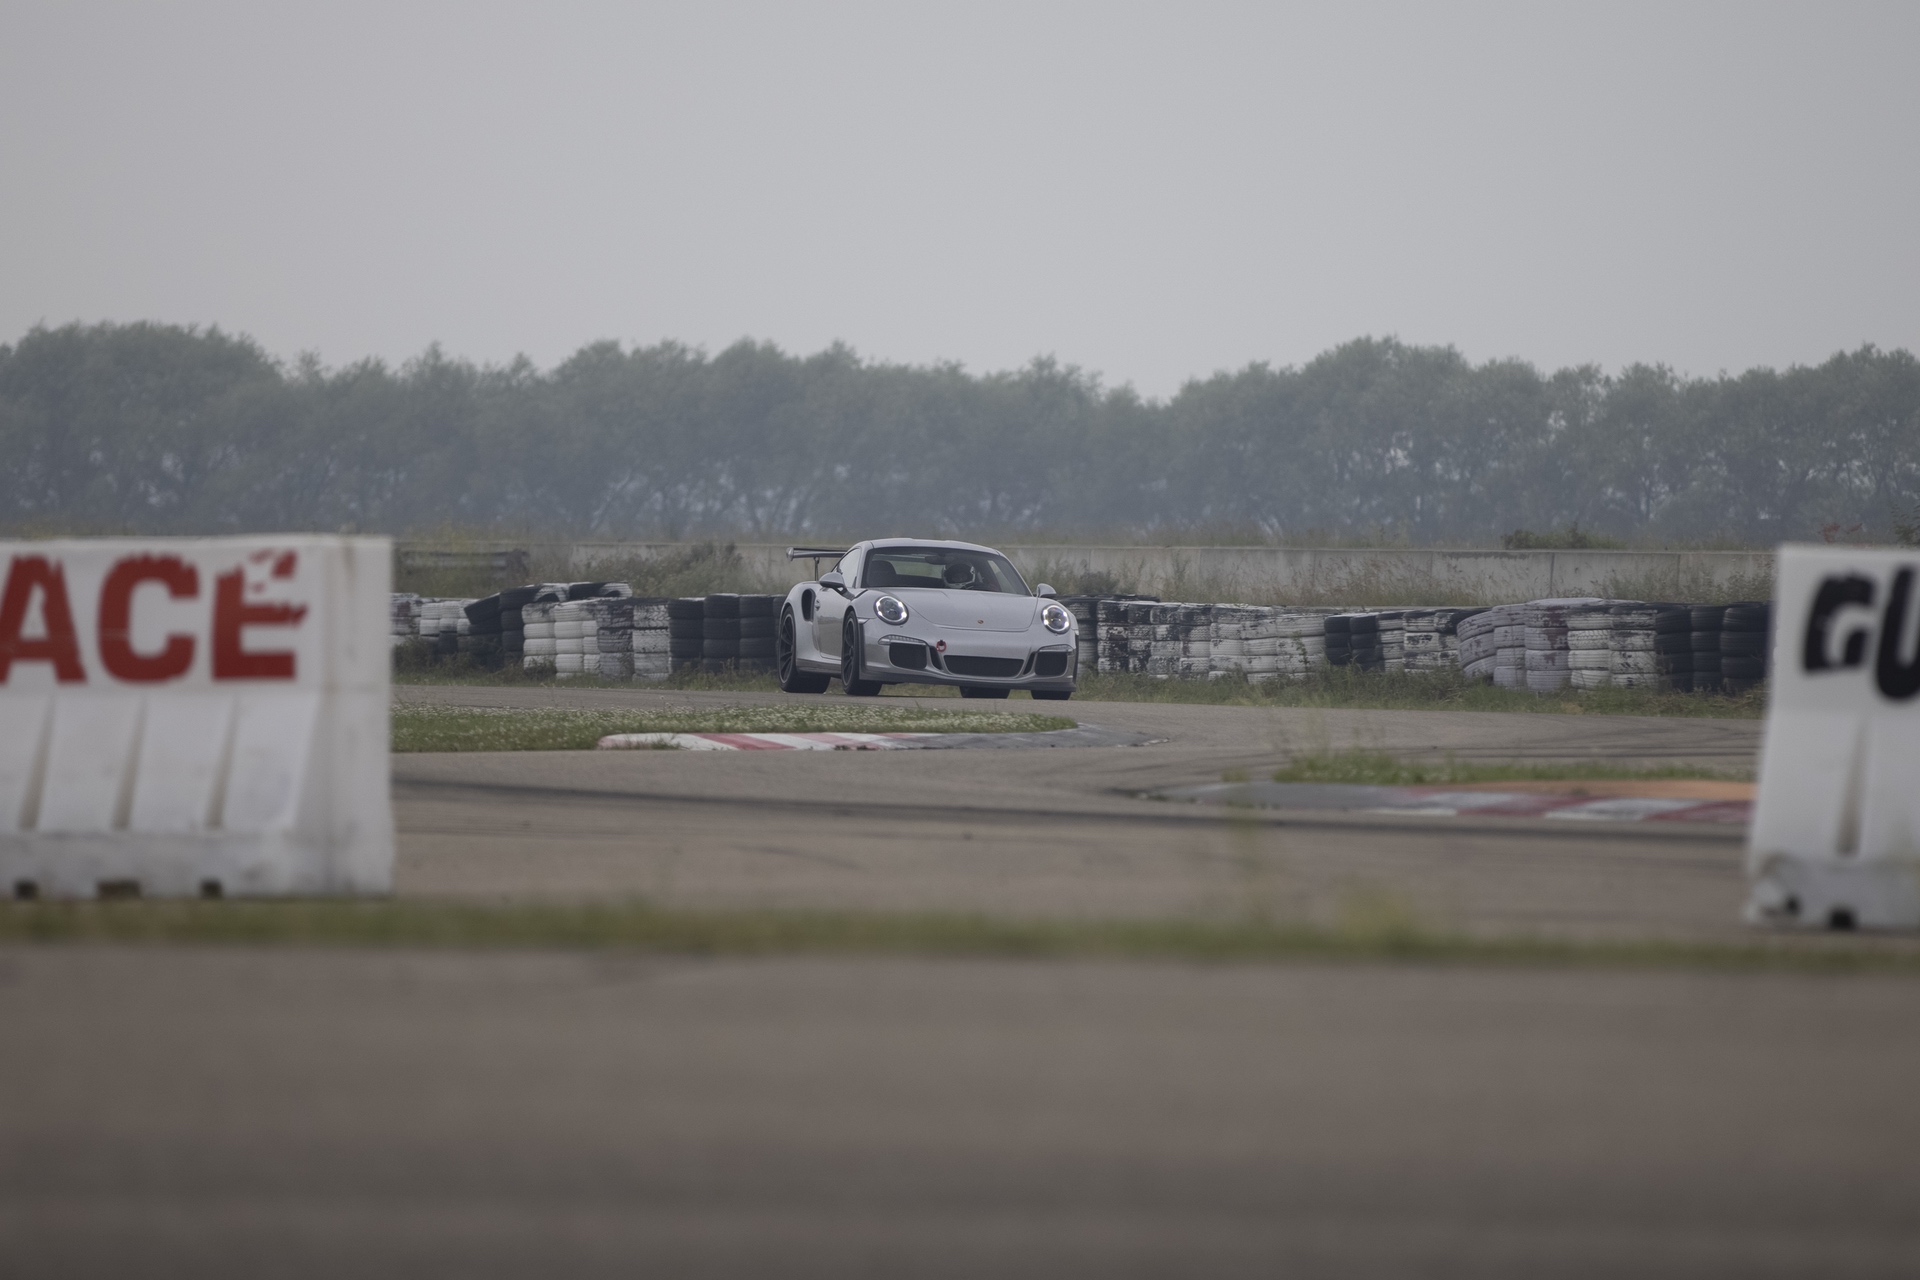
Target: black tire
{"x":850,"y":681}
{"x":982,"y":691}
{"x":1053,"y":695}
{"x":1743,"y":643}
{"x":786,"y":657}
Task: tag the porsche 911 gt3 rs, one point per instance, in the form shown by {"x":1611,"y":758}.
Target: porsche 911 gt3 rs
{"x":913,"y":611}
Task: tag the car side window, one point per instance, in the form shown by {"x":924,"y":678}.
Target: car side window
{"x":851,"y":566}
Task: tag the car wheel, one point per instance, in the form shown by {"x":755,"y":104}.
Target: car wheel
{"x":786,"y":655}
{"x":1053,"y":695}
{"x":979,"y":691}
{"x":850,"y":680}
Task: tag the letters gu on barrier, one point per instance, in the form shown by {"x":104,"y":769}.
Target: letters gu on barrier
{"x":194,"y":716}
{"x":1835,"y":840}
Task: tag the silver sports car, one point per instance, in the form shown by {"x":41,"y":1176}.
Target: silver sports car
{"x":910,"y":611}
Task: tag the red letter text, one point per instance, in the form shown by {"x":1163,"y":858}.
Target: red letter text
{"x":116,"y":618}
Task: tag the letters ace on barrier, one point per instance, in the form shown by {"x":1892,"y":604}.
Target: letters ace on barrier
{"x":1835,"y":840}
{"x":194,"y":716}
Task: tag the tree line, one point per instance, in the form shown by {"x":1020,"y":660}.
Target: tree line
{"x":164,"y":429}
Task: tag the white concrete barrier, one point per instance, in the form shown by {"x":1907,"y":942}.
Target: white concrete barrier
{"x":194,"y":716}
{"x":1835,"y":840}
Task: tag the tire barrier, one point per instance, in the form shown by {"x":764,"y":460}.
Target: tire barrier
{"x":600,"y":629}
{"x":593,"y":629}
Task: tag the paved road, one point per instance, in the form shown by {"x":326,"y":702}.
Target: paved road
{"x":1064,"y":832}
{"x":235,"y":1113}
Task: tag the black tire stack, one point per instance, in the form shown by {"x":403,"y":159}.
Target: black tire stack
{"x":1339,"y":639}
{"x":1705,"y":621}
{"x":482,"y":641}
{"x":756,"y":631}
{"x":720,"y":632}
{"x":1363,"y":633}
{"x":512,"y":626}
{"x":686,"y":635}
{"x":1744,"y":648}
{"x":1673,"y":646}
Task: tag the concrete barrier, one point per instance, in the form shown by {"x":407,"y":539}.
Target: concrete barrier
{"x":1835,"y":840}
{"x":194,"y":716}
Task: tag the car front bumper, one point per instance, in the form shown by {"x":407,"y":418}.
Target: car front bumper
{"x":1004,"y":660}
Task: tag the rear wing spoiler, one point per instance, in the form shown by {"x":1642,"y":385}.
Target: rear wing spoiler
{"x":816,"y":553}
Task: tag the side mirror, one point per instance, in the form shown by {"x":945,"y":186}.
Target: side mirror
{"x":834,"y":580}
{"x":1045,"y":590}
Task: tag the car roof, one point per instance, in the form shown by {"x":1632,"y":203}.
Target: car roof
{"x":930,"y":542}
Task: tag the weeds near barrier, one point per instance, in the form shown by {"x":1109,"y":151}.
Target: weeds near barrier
{"x":461,"y":571}
{"x":1366,"y":933}
{"x":1690,"y":584}
{"x":1349,"y":687}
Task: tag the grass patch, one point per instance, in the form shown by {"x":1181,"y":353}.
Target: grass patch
{"x":430,"y":728}
{"x":1377,"y":768}
{"x":1350,"y":687}
{"x":637,"y":926}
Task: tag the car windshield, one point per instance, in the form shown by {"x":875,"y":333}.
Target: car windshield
{"x":949,"y":567}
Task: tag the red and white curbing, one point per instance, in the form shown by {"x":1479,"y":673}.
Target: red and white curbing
{"x":766,"y":741}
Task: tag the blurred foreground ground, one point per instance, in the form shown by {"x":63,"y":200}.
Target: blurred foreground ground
{"x":247,"y":1111}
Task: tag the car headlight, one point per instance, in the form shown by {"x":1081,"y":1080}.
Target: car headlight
{"x":1056,"y":619}
{"x":890,"y":610}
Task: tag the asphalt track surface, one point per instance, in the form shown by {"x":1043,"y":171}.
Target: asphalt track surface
{"x":238,"y":1111}
{"x":1064,"y":832}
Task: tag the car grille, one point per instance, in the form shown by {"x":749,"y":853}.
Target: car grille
{"x":961,"y":665}
{"x":912,"y":657}
{"x":1050,"y":664}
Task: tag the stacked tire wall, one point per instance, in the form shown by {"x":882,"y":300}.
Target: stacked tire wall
{"x":598,"y":629}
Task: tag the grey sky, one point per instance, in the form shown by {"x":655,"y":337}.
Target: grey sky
{"x":1150,"y":191}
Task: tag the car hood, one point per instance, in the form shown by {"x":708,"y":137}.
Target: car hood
{"x":972,"y":610}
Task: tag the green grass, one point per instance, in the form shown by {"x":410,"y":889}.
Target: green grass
{"x":1362,"y":936}
{"x":431,"y":728}
{"x":1377,"y":768}
{"x":1347,"y":687}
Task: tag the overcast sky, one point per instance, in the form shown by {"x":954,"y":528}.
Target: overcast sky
{"x":1153,"y":192}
